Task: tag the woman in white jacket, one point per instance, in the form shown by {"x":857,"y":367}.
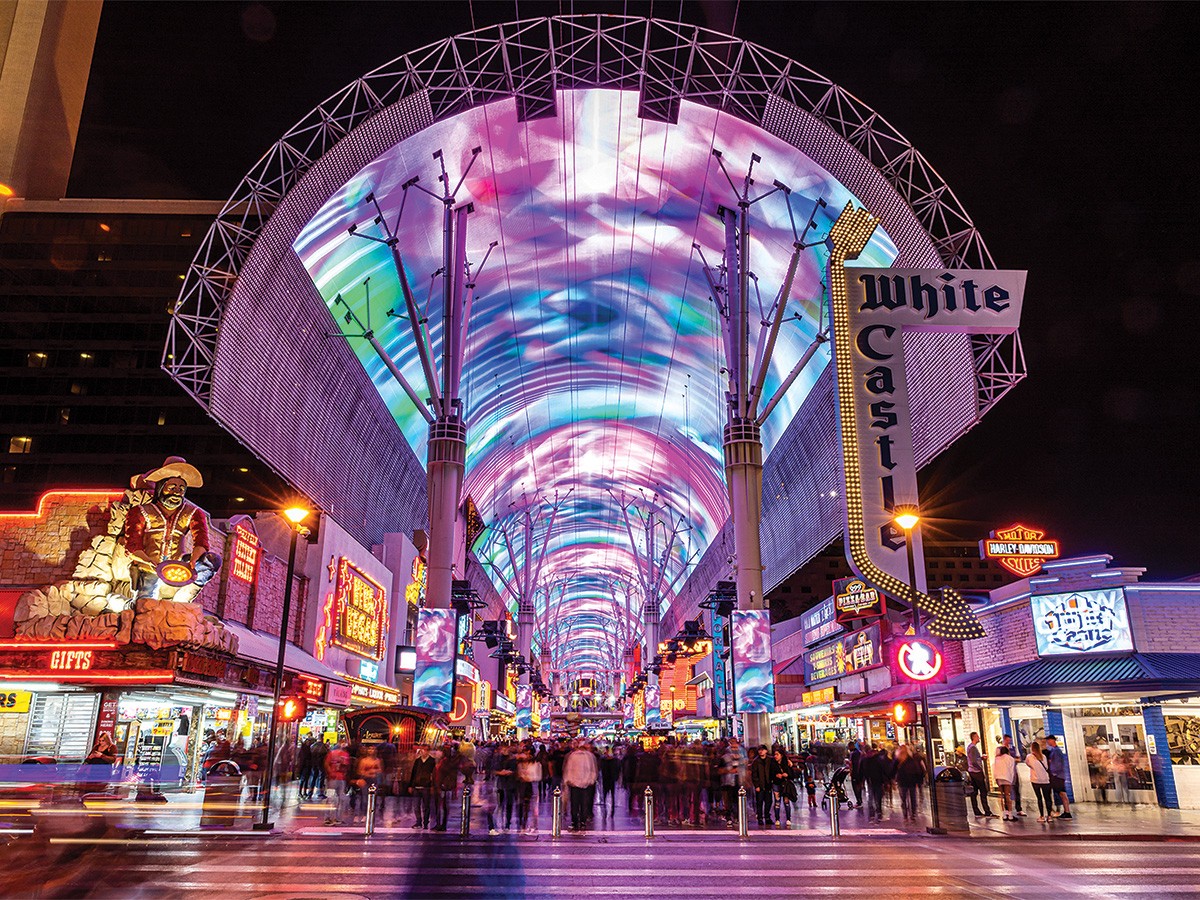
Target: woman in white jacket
{"x":1005,"y":770}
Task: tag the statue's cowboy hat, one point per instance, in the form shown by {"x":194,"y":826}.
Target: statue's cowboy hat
{"x":177,"y":467}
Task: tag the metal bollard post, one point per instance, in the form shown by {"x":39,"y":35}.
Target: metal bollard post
{"x":369,"y":824}
{"x":556,"y":814}
{"x":465,"y":828}
{"x":743,"y":825}
{"x":649,"y":809}
{"x":835,"y":824}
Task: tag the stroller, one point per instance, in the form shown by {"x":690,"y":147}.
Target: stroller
{"x":835,"y":789}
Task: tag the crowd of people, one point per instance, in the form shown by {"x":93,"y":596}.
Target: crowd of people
{"x":692,"y":783}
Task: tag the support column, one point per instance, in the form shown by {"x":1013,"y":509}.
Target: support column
{"x":743,"y":475}
{"x":1054,"y":726}
{"x":446,"y":464}
{"x":1160,"y":757}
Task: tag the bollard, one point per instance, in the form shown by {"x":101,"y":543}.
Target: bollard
{"x":556,"y":814}
{"x":835,"y":809}
{"x":743,"y":825}
{"x":369,"y":822}
{"x":464,"y":827}
{"x":649,"y":809}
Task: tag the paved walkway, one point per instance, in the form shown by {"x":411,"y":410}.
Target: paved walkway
{"x":184,"y":812}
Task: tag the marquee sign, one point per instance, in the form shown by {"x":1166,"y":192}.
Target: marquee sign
{"x":855,"y":652}
{"x":919,"y":660}
{"x":854,"y":599}
{"x":872,"y":310}
{"x":1019,"y":549}
{"x":360,"y":611}
{"x":247,"y":552}
{"x":1081,"y":622}
{"x":819,"y":623}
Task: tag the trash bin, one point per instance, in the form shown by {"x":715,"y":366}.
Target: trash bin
{"x":222,"y":795}
{"x":948,"y":787}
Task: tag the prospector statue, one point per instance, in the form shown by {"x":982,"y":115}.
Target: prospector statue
{"x":135,"y":582}
{"x":167,"y":538}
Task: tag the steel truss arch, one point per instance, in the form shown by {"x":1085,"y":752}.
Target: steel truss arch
{"x":531,"y":60}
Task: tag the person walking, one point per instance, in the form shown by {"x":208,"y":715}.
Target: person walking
{"x":504,"y":768}
{"x":1056,"y":762}
{"x":420,"y":785}
{"x":856,"y":772}
{"x":529,"y":776}
{"x":877,"y":772}
{"x":783,"y":787}
{"x":610,"y":771}
{"x":910,"y":774}
{"x":978,"y":778}
{"x":760,"y":779}
{"x":1005,"y":771}
{"x":337,"y":766}
{"x":368,"y":772}
{"x":579,"y":775}
{"x":1039,"y":777}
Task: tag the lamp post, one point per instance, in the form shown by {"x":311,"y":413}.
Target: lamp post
{"x":907,"y":517}
{"x":295,"y":515}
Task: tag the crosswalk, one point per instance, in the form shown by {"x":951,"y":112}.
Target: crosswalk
{"x":344,"y":867}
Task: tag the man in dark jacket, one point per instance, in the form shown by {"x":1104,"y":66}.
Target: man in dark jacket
{"x":760,"y":778}
{"x":420,"y":785}
{"x":856,"y":773}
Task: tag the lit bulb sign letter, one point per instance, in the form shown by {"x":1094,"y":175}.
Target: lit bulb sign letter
{"x":919,"y":660}
{"x":360,"y":619}
{"x":871,"y":312}
{"x":1019,"y":549}
{"x":246,"y":554}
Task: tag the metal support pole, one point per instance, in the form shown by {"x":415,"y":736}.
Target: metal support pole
{"x":465,"y":827}
{"x":556,"y":814}
{"x":369,"y":822}
{"x":935,"y":821}
{"x":835,"y":811}
{"x":743,"y":823}
{"x":649,"y":809}
{"x":264,"y":824}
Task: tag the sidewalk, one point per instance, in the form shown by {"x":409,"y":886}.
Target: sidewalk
{"x":184,"y":813}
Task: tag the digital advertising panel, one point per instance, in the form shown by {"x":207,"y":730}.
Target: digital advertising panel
{"x":854,"y":652}
{"x":1081,"y":622}
{"x":753,"y":678}
{"x":524,"y":706}
{"x":433,"y":681}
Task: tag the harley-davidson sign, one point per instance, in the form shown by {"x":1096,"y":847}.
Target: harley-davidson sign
{"x":1019,"y":549}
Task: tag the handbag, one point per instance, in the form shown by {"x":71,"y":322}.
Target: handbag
{"x":969,"y":788}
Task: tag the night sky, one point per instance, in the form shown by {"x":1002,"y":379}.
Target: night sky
{"x":1065,"y":131}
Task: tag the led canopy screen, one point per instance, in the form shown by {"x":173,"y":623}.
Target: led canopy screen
{"x":592,"y":362}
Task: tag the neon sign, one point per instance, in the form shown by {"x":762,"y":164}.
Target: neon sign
{"x":360,"y":619}
{"x":1019,"y":549}
{"x":1081,"y":622}
{"x":414,"y":593}
{"x":246,"y":553}
{"x":71,"y":660}
{"x":855,"y":599}
{"x":919,"y":660}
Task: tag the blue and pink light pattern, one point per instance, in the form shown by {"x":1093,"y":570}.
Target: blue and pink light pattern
{"x":592,"y":362}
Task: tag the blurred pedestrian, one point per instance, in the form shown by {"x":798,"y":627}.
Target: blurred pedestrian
{"x":1039,"y":777}
{"x":579,"y":775}
{"x":1005,"y":770}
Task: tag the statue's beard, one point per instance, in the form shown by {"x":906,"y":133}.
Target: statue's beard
{"x":171,"y":501}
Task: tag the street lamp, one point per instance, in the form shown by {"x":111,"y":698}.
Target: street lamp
{"x":296,"y":515}
{"x":908,"y":517}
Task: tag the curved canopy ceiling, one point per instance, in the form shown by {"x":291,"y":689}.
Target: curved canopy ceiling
{"x":592,"y":361}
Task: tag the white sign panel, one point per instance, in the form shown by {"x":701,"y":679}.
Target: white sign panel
{"x":1081,"y":622}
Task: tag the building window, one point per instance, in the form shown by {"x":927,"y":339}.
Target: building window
{"x":949,"y":565}
{"x":934,"y":565}
{"x":20,"y":444}
{"x":964,"y":577}
{"x":78,"y":388}
{"x":9,"y":475}
{"x":36,"y":360}
{"x":87,"y":359}
{"x":162,"y":417}
{"x":64,"y":415}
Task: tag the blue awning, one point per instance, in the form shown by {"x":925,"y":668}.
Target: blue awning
{"x":1140,"y":674}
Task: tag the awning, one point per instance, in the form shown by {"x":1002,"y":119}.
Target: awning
{"x":264,"y":648}
{"x":878,"y":702}
{"x":1131,"y":674}
{"x":781,"y":666}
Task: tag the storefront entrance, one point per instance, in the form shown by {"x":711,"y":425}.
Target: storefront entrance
{"x":1107,"y":751}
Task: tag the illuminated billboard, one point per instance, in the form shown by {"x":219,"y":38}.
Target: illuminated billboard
{"x":753,"y":678}
{"x":1081,"y":622}
{"x":360,"y":611}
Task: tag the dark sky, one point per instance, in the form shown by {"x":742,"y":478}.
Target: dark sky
{"x":1065,"y":131}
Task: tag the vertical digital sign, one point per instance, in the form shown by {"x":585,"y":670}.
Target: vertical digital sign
{"x":247,"y":552}
{"x":753,"y":679}
{"x":433,"y":681}
{"x":524,"y":706}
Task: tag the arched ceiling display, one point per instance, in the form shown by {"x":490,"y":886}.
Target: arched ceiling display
{"x":592,"y":364}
